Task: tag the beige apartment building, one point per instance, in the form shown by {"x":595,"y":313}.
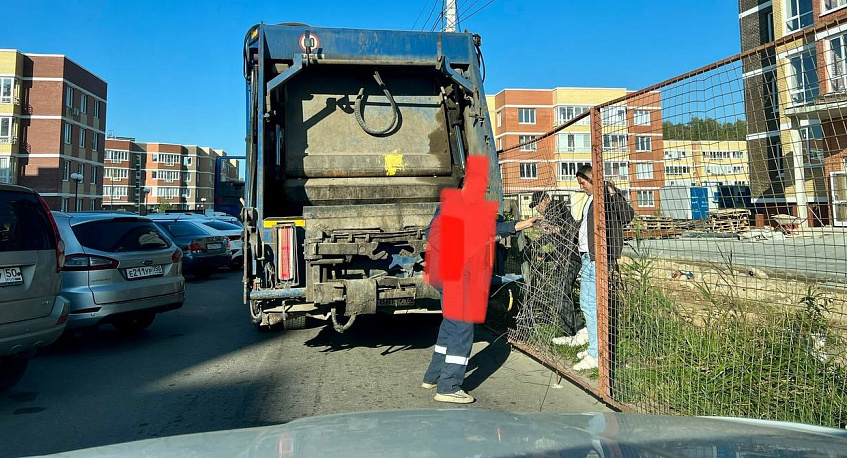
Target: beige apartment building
{"x":154,"y":175}
{"x":52,"y":121}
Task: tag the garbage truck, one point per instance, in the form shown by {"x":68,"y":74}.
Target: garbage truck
{"x":351,"y":136}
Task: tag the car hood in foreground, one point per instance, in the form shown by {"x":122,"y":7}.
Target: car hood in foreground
{"x":477,"y":432}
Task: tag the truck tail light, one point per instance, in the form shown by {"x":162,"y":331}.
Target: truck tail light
{"x":287,"y":243}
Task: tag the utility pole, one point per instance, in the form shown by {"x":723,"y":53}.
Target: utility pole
{"x":451,"y":17}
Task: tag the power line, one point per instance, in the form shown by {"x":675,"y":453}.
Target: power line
{"x":431,"y":12}
{"x":477,"y":11}
{"x":419,"y":15}
{"x":465,"y":7}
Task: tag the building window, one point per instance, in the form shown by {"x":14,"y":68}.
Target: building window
{"x":116,"y":156}
{"x":187,"y":176}
{"x":573,"y":143}
{"x":677,"y":170}
{"x":500,"y":143}
{"x":528,"y":147}
{"x":66,"y":203}
{"x":80,"y":168}
{"x":645,"y":199}
{"x":568,"y":112}
{"x":66,"y":171}
{"x":618,"y":170}
{"x":166,"y":192}
{"x":115,"y":174}
{"x":79,"y":204}
{"x":7,"y":89}
{"x":185,"y":193}
{"x":154,"y":175}
{"x":68,"y":132}
{"x":567,"y":170}
{"x":186,"y":161}
{"x":529,"y":170}
{"x":838,"y":64}
{"x":83,"y":103}
{"x":829,"y":5}
{"x":675,"y":155}
{"x":82,"y":138}
{"x":526,"y":116}
{"x":69,"y":96}
{"x":613,"y":116}
{"x":97,"y":109}
{"x":803,"y":81}
{"x":94,"y":173}
{"x":643,"y":143}
{"x":95,"y":141}
{"x":644,"y":171}
{"x":641,"y":117}
{"x":154,"y":158}
{"x":769,"y":36}
{"x":7,"y":170}
{"x":614,"y":142}
{"x":813,"y":145}
{"x":499,"y":118}
{"x":798,"y":14}
{"x":91,"y":204}
{"x":7,"y":130}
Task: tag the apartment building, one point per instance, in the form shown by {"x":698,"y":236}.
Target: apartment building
{"x":632,"y":142}
{"x":52,"y":121}
{"x":795,"y":94}
{"x":141,"y":175}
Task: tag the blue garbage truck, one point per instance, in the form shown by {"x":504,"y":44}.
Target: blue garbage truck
{"x":351,"y":136}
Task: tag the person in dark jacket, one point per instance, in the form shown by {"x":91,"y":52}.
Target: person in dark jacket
{"x":618,"y":213}
{"x":446,"y":371}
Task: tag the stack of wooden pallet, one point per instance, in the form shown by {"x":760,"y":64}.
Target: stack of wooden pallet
{"x":651,"y":227}
{"x":729,"y":220}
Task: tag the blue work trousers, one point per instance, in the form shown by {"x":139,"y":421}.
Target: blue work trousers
{"x":451,"y":356}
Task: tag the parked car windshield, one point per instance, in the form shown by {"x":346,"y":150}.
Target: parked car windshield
{"x":24,"y":225}
{"x":223,"y":226}
{"x":182,"y":228}
{"x":115,"y":236}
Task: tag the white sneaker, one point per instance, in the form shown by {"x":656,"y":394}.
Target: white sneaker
{"x":581,"y":355}
{"x":428,"y":386}
{"x":458,"y":397}
{"x":587,"y":363}
{"x":581,"y":338}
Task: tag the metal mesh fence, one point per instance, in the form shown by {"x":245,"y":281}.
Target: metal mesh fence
{"x":729,"y":294}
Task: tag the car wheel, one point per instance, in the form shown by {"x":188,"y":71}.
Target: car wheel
{"x":12,"y":370}
{"x":134,"y":323}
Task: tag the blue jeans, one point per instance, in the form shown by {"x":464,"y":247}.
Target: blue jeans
{"x":451,"y":355}
{"x":588,"y":300}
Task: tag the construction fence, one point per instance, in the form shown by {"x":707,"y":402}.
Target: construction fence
{"x":730,"y":294}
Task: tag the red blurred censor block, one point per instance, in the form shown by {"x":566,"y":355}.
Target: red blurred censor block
{"x":460,"y":252}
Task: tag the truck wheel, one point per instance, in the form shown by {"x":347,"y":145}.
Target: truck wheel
{"x":294,"y":322}
{"x":12,"y":370}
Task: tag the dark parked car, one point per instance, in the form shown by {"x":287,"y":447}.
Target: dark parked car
{"x":33,"y":314}
{"x":204,"y":249}
{"x":119,"y":268}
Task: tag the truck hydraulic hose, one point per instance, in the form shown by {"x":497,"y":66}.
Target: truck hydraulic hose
{"x":395,"y":112}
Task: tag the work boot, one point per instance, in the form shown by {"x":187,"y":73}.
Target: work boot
{"x":457,"y":397}
{"x":587,"y":363}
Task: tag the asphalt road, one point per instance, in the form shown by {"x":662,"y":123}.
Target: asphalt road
{"x":205,"y":368}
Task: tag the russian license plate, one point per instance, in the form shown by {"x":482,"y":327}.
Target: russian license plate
{"x":134,"y":273}
{"x":10,"y":276}
{"x":397,"y":302}
{"x":214,"y":246}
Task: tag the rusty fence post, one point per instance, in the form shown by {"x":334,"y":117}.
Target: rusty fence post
{"x":601,"y":260}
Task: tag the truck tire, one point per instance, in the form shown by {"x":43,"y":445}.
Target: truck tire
{"x":294,"y":322}
{"x":12,"y":370}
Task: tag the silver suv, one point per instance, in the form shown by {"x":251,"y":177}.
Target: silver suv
{"x":119,"y":269}
{"x":32,"y":313}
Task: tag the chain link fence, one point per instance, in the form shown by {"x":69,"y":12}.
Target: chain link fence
{"x":730,"y":294}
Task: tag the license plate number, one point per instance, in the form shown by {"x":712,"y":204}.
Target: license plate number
{"x":214,"y":246}
{"x":10,"y":276}
{"x":134,"y":273}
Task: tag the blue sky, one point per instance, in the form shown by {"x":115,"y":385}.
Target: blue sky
{"x":174,"y":68}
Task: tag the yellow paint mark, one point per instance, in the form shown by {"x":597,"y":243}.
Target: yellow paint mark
{"x":274,"y":222}
{"x":393,"y":163}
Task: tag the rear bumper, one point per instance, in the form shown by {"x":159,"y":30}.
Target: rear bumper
{"x":192,"y":263}
{"x":29,"y":335}
{"x":108,"y":312}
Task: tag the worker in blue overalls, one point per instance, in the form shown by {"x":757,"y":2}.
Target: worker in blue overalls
{"x":453,"y":347}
